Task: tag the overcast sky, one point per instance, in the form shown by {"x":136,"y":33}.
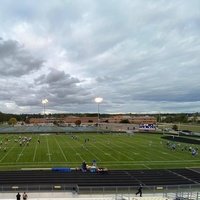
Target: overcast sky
{"x":138,"y":55}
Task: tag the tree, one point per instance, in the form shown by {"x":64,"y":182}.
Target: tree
{"x":27,"y":120}
{"x":55,"y":123}
{"x":175,"y":127}
{"x":78,"y":122}
{"x":125,"y":121}
{"x":12,"y":121}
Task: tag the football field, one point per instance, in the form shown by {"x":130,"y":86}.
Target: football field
{"x":113,"y":151}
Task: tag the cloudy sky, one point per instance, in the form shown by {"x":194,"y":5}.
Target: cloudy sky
{"x":139,"y":55}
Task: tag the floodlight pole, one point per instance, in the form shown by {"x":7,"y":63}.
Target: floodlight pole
{"x":98,"y":113}
{"x":44,"y":109}
{"x":44,"y":102}
{"x":98,"y":100}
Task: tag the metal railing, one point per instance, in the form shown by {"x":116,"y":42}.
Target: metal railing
{"x":40,"y":187}
{"x":178,"y":192}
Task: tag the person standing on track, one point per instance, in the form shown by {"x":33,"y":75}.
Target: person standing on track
{"x":25,"y":196}
{"x":139,"y":190}
{"x":18,"y":196}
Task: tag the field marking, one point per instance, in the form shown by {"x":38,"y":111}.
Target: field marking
{"x":95,"y":156}
{"x":48,"y":149}
{"x":19,"y":155}
{"x":99,"y":149}
{"x":78,"y":154}
{"x":119,"y":162}
{"x":146,"y":166}
{"x":158,"y":139}
{"x":132,"y":146}
{"x":86,"y":148}
{"x":123,"y":163}
{"x":145,"y":152}
{"x":116,"y":151}
{"x":35,"y":149}
{"x":121,"y":152}
{"x":7,"y":153}
{"x":60,"y":149}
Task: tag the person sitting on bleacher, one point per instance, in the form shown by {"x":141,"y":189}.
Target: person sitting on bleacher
{"x":84,"y":166}
{"x":94,"y":167}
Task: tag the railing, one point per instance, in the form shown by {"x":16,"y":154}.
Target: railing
{"x":40,"y":187}
{"x":179,"y":192}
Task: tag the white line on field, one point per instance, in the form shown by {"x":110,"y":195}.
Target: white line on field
{"x":135,"y":149}
{"x":121,"y":152}
{"x":19,"y":155}
{"x":106,"y":152}
{"x":48,"y":149}
{"x":7,"y":153}
{"x":86,"y":148}
{"x":146,"y":166}
{"x":73,"y":149}
{"x":60,"y":149}
{"x":35,"y":150}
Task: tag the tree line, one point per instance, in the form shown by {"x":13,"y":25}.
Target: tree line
{"x":161,"y":117}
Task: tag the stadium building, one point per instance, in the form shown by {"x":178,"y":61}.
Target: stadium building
{"x":84,"y":120}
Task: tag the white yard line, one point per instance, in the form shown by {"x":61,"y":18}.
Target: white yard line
{"x":48,"y":149}
{"x":121,"y":152}
{"x":145,"y":152}
{"x":7,"y":153}
{"x":35,"y":150}
{"x":146,"y":166}
{"x":60,"y":149}
{"x":86,"y":148}
{"x":132,"y":146}
{"x":73,"y":149}
{"x":105,"y":153}
{"x":115,"y":151}
{"x":19,"y":155}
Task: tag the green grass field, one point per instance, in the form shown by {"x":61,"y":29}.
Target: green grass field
{"x":114,"y":151}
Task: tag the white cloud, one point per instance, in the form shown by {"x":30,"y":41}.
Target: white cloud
{"x":138,"y":55}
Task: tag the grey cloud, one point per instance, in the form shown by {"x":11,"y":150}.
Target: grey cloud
{"x":135,"y":54}
{"x":55,"y":77}
{"x":15,"y":60}
{"x":61,"y":88}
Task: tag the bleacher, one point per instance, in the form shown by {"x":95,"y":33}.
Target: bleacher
{"x":110,"y":178}
{"x":46,"y":129}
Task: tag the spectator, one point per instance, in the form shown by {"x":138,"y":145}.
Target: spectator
{"x":139,"y":190}
{"x":84,"y":166}
{"x":25,"y":196}
{"x":18,"y":196}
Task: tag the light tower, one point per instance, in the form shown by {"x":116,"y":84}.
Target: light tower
{"x":98,"y":100}
{"x":44,"y":102}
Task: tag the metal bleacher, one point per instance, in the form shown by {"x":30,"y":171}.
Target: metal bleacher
{"x":113,"y":185}
{"x":45,"y":129}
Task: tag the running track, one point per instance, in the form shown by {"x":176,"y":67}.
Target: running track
{"x":111,"y":178}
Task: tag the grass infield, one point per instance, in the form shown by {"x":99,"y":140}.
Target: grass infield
{"x":114,"y":151}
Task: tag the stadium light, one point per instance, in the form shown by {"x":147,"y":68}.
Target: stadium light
{"x":98,"y":100}
{"x":44,"y":102}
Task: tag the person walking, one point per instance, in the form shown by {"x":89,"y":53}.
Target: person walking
{"x":18,"y":196}
{"x":139,"y":190}
{"x":25,"y":196}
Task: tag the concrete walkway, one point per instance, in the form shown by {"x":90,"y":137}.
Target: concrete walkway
{"x":71,"y":196}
